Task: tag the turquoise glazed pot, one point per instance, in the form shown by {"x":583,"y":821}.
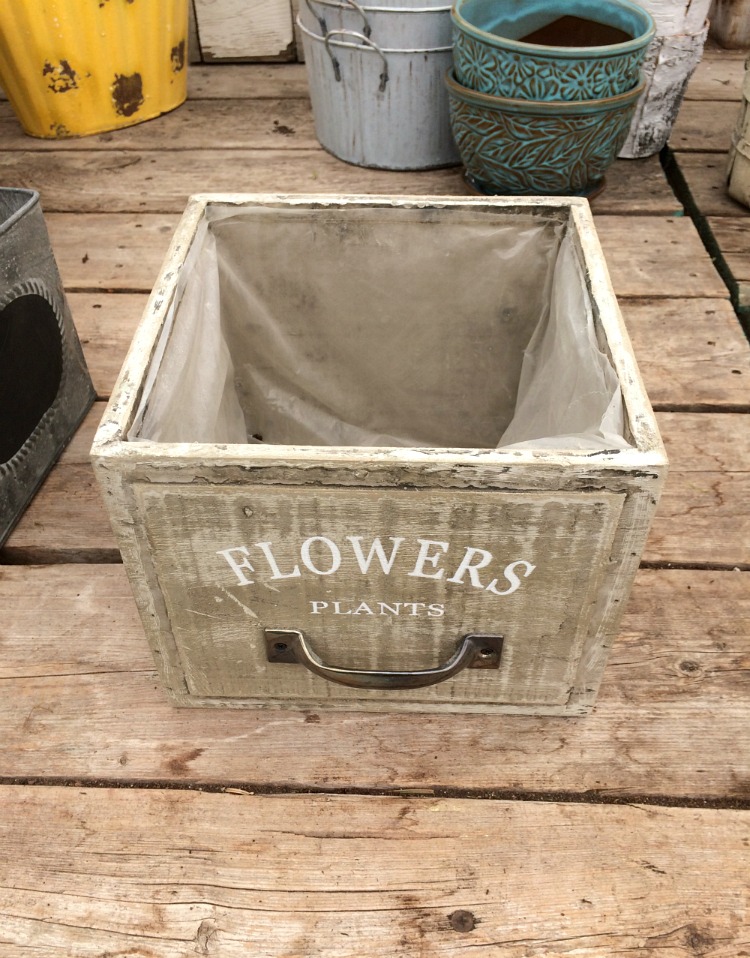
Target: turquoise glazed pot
{"x":527,"y":147}
{"x":491,"y":55}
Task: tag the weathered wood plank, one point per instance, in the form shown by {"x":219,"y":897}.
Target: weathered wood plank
{"x":101,"y":251}
{"x":250,"y":124}
{"x":704,"y":512}
{"x":648,"y":256}
{"x":704,"y":126}
{"x":231,"y":81}
{"x":703,"y":517}
{"x":81,"y":701}
{"x":238,"y":875}
{"x":705,"y":177}
{"x":242,"y":29}
{"x":147,"y":181}
{"x":105,"y":323}
{"x":732,"y":235}
{"x":657,"y":256}
{"x":691,"y":352}
{"x":718,"y":76}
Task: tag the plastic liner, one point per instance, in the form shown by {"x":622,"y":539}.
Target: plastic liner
{"x":382,"y":327}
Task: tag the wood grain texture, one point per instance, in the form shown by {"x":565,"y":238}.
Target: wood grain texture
{"x":105,"y":323}
{"x":702,"y":518}
{"x":704,"y":125}
{"x":237,"y":874}
{"x":233,"y":81}
{"x":81,"y":701}
{"x":732,"y":235}
{"x":657,"y":256}
{"x":237,"y":30}
{"x":718,"y":76}
{"x":688,"y":350}
{"x":121,"y":180}
{"x":241,"y":123}
{"x":691,"y":352}
{"x":646,"y":255}
{"x":730,"y":23}
{"x":708,"y":492}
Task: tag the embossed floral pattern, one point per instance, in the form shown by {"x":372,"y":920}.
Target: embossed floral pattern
{"x":523,"y":76}
{"x":521,"y":153}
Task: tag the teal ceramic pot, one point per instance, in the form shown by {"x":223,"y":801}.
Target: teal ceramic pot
{"x":492,"y":54}
{"x":526,"y":147}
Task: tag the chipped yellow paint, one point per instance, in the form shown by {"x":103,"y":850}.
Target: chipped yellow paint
{"x":72,"y":68}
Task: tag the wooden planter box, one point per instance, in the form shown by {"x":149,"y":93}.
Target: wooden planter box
{"x":300,"y":456}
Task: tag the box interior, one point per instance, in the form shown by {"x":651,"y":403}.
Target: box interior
{"x":368,"y":326}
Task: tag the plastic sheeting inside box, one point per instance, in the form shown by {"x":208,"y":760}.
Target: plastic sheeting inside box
{"x":382,"y":327}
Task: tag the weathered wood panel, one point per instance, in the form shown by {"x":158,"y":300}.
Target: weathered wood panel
{"x":237,"y":81}
{"x":238,"y":875}
{"x":144,"y":181}
{"x":105,"y":323}
{"x":718,"y":76}
{"x":704,"y":126}
{"x":708,"y":493}
{"x":238,"y":30}
{"x":657,"y":256}
{"x":691,"y":352}
{"x":81,"y":700}
{"x":109,"y":252}
{"x":250,"y":124}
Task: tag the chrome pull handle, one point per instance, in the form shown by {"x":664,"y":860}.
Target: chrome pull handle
{"x":474,"y":651}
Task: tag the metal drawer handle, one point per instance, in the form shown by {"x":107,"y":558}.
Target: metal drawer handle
{"x":475,"y":651}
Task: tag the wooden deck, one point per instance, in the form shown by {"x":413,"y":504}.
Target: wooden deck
{"x":130,"y":828}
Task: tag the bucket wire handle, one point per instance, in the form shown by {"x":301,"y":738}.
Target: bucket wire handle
{"x":473,"y":651}
{"x":364,"y":40}
{"x":366,"y":28}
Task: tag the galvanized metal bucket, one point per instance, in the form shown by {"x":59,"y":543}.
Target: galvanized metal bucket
{"x":45,"y":387}
{"x":379,"y":107}
{"x":401,"y":27}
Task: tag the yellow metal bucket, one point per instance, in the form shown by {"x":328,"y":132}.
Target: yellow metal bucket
{"x":74,"y":67}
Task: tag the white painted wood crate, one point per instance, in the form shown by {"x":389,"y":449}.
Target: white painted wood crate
{"x":385,"y":318}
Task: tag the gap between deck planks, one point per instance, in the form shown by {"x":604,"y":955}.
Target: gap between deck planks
{"x":162,"y":874}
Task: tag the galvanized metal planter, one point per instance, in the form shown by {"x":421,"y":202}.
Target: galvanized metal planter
{"x":311,"y":465}
{"x":45,"y":389}
{"x":398,"y":27}
{"x":379,"y":107}
{"x":375,"y":81}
